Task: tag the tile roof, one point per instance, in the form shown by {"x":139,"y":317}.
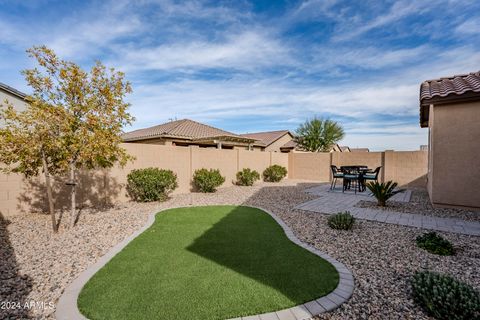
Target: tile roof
{"x":13,"y":91}
{"x":267,"y":137}
{"x":449,"y":89}
{"x":184,"y":129}
{"x":359,"y":150}
{"x":289,"y":145}
{"x":456,"y":85}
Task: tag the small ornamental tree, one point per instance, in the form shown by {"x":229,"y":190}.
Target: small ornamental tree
{"x":319,"y":135}
{"x":29,"y":144}
{"x":90,"y":110}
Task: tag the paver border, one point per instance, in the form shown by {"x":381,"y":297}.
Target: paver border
{"x":67,"y":304}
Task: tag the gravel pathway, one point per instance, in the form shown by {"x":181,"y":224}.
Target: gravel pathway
{"x":37,"y":265}
{"x":420,"y":204}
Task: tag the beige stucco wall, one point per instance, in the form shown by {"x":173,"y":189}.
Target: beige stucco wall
{"x":407,"y":168}
{"x":455,"y":161}
{"x":404,"y":167}
{"x":310,"y":166}
{"x":18,"y":195}
{"x":275,"y":146}
{"x":18,"y":104}
{"x":430,"y":152}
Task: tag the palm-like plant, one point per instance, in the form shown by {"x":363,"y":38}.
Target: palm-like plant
{"x":319,"y":135}
{"x":383,"y":191}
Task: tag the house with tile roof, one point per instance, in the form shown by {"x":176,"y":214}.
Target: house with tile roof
{"x":187,"y":132}
{"x":450,"y":109}
{"x":276,"y":141}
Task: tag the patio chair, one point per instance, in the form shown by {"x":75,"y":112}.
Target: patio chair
{"x":352,"y":178}
{"x":373,"y":176}
{"x":336,"y":174}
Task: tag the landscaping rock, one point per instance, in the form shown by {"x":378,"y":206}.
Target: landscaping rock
{"x":420,"y":204}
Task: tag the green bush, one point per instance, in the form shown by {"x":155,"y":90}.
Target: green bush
{"x":434,"y":243}
{"x":443,"y":297}
{"x":151,"y":184}
{"x":247,"y":177}
{"x":208,"y":180}
{"x":341,"y":221}
{"x":383,"y":191}
{"x":274,"y":173}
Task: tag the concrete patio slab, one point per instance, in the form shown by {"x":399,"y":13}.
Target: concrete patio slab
{"x":331,"y":202}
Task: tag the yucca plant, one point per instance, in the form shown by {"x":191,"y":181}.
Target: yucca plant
{"x":383,"y":191}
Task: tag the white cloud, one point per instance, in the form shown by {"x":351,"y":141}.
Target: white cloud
{"x":370,"y":57}
{"x":469,"y":27}
{"x":399,"y":10}
{"x":245,"y":51}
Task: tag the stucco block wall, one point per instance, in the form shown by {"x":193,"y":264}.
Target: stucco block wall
{"x":455,"y":162}
{"x":99,"y":187}
{"x":407,"y":168}
{"x":310,"y":166}
{"x":18,"y":195}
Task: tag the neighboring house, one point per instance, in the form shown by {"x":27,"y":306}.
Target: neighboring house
{"x":289,"y":146}
{"x":345,"y":149}
{"x":188,"y":132}
{"x":359,"y":150}
{"x":13,"y":96}
{"x":277,"y":141}
{"x":450,"y":108}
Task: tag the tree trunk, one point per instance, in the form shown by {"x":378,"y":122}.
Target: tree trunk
{"x":73,"y":194}
{"x":49,"y":193}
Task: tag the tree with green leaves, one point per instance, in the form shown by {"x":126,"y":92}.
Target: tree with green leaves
{"x":75,"y":116}
{"x":319,"y":135}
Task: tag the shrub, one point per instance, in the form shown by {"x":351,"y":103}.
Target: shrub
{"x":151,"y":184}
{"x":383,"y":191}
{"x":434,"y":243}
{"x":444,"y":297}
{"x":274,"y":173}
{"x":341,"y":221}
{"x":208,"y":180}
{"x":247,"y":177}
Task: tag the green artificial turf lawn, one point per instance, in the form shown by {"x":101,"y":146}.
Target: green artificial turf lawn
{"x":212,"y":262}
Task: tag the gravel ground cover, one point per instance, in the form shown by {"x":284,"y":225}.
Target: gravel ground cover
{"x":37,"y":265}
{"x":382,"y":257}
{"x":420,"y":204}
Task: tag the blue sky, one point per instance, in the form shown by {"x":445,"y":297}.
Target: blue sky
{"x":249,"y":66}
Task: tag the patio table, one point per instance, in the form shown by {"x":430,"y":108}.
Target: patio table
{"x":361,"y":170}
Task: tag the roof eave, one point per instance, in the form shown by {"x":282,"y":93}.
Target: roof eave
{"x":425,"y":103}
{"x":226,"y":138}
{"x":13,"y":91}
